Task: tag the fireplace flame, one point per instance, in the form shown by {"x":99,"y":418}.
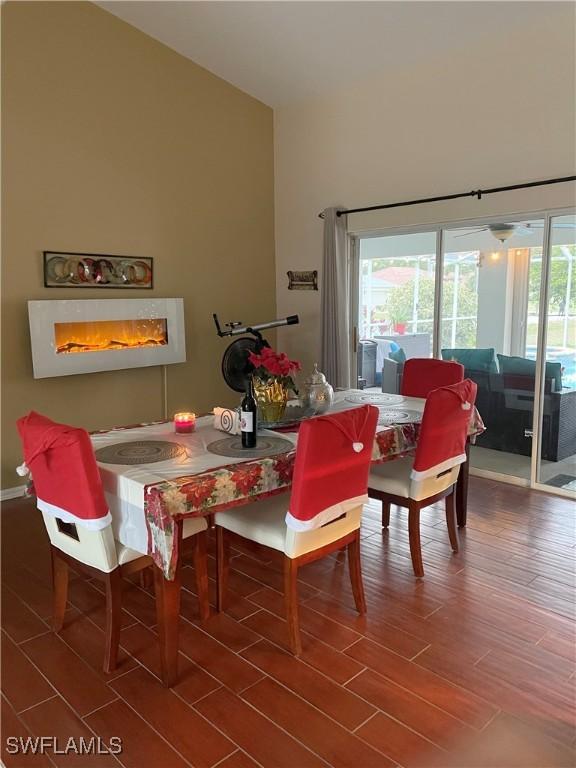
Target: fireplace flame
{"x":104,"y":335}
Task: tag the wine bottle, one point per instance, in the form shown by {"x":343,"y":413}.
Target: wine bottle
{"x":249,"y":417}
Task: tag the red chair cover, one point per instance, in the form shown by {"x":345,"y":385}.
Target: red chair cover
{"x":331,"y":466}
{"x":66,"y":478}
{"x":423,"y":374}
{"x":442,"y":440}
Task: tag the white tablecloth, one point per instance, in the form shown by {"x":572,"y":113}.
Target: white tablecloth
{"x":124,"y":484}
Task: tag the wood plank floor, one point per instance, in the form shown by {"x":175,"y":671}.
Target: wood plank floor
{"x":471,"y":667}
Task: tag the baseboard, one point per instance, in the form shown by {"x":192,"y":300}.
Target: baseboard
{"x":488,"y":474}
{"x":12,"y":493}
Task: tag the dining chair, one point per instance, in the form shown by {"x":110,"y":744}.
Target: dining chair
{"x":322,"y":514}
{"x":423,"y":374}
{"x":432,"y":474}
{"x":69,"y":494}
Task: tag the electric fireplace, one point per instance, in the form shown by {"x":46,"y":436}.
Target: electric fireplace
{"x":101,"y":335}
{"x":84,"y":336}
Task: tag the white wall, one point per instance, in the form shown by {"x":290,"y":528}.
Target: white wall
{"x":501,"y":114}
{"x":495,"y":302}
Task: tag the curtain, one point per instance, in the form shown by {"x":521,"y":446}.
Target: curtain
{"x":335,"y":302}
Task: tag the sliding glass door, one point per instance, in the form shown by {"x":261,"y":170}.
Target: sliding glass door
{"x":483,"y":326}
{"x":499,"y":296}
{"x":556,"y":464}
{"x":397,"y":276}
{"x":460,"y":281}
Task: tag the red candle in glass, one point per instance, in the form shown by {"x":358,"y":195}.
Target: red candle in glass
{"x":184,"y":423}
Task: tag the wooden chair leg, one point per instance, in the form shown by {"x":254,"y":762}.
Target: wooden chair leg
{"x":462,"y":489}
{"x":414,"y":536}
{"x":168,"y":616}
{"x":113,"y":582}
{"x":356,"y":574}
{"x":60,"y":589}
{"x":451,"y":520}
{"x":291,"y":601}
{"x":385,"y":514}
{"x":201,"y":570}
{"x":222,"y":567}
{"x":146,"y":578}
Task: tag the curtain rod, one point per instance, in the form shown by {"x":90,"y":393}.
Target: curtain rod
{"x":479,"y":193}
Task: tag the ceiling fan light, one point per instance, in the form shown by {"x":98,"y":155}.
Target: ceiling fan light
{"x":502,"y":231}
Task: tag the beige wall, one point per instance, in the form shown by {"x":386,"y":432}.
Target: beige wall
{"x":112,"y":143}
{"x":498,"y":114}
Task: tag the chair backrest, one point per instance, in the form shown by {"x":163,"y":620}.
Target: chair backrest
{"x":441,"y":444}
{"x":68,"y":490}
{"x":94,"y":548}
{"x":423,"y":374}
{"x":331,"y":466}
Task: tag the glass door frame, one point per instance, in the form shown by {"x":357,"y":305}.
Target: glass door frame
{"x":541,"y":350}
{"x":354,"y":283}
{"x":547,"y":215}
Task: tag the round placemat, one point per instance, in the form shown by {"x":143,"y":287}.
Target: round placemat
{"x":398,"y":416}
{"x":375,"y":399}
{"x":140,"y":452}
{"x":266,"y":446}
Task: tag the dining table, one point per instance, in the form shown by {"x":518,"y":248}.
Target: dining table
{"x":168,"y":477}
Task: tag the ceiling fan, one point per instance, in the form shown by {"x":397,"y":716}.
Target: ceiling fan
{"x":504,"y":231}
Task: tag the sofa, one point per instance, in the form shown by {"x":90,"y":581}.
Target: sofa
{"x":505,"y":400}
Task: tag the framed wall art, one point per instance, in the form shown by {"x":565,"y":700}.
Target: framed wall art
{"x":303,"y":280}
{"x":95,"y":270}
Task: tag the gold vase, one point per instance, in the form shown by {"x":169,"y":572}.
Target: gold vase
{"x":271,"y":396}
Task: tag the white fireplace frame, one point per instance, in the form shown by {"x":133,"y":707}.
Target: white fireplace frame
{"x":47,"y":363}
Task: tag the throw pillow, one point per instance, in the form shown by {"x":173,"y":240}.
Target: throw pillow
{"x":523,"y":366}
{"x":398,"y":355}
{"x":473,"y":359}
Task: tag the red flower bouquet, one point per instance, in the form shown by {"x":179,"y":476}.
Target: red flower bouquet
{"x":273,"y":365}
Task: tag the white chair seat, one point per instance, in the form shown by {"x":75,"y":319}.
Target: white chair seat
{"x":262,"y":522}
{"x":265,"y":523}
{"x":393,"y":477}
{"x":192,"y":526}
